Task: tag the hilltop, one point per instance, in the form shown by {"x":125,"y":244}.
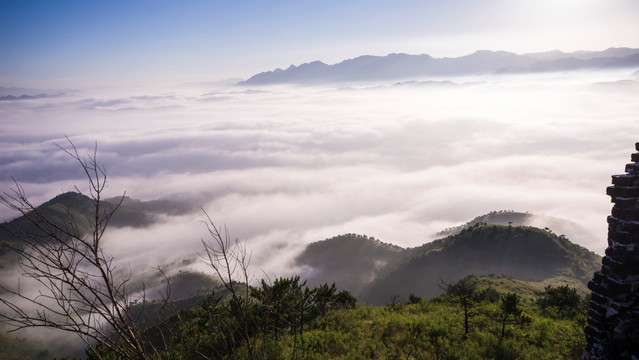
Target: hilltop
{"x":378,"y":273}
{"x":523,"y":253}
{"x":350,"y":260}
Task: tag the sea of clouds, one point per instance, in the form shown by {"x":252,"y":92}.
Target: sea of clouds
{"x":283,"y":166}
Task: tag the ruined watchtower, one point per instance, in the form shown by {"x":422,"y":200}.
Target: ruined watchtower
{"x":613,"y":322}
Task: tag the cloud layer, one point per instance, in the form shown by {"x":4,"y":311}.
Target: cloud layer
{"x":285,"y":166}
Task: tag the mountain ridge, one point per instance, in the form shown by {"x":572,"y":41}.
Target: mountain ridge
{"x":375,"y":271}
{"x":524,"y":253}
{"x":75,"y":209}
{"x":398,"y":66}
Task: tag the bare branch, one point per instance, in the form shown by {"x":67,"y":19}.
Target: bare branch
{"x":230,"y":261}
{"x":77,"y":288}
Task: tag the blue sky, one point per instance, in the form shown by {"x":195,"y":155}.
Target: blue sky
{"x":80,"y":43}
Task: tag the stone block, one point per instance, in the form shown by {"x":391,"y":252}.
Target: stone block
{"x":620,"y":237}
{"x":622,"y":202}
{"x":625,"y":180}
{"x":598,"y":334}
{"x":623,"y":191}
{"x":616,"y":287}
{"x":598,"y":299}
{"x":598,"y":317}
{"x":624,"y":254}
{"x":613,"y":221}
{"x":626,"y":214}
{"x":593,"y":306}
{"x":598,"y":277}
{"x":611,"y":263}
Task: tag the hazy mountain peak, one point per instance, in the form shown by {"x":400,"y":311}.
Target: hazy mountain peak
{"x":401,"y":66}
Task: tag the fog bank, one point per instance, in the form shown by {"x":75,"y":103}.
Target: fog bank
{"x":285,"y":166}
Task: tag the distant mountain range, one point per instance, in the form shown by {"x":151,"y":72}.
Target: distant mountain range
{"x":405,"y":66}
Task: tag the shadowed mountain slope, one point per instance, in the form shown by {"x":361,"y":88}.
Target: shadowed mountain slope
{"x":74,"y":209}
{"x":64,"y":211}
{"x":350,"y":260}
{"x":524,"y":253}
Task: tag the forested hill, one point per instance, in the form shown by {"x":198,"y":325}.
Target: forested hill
{"x":377,"y":273}
{"x":65,"y":210}
{"x":350,"y":260}
{"x":523,"y":253}
{"x":516,"y":218}
{"x":501,"y":217}
{"x":77,"y":209}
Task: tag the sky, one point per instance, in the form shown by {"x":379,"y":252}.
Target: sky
{"x":284,"y":166}
{"x":69,"y":44}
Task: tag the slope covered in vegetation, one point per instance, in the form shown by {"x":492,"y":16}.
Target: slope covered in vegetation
{"x":433,"y":306}
{"x":350,"y":260}
{"x":524,"y":253}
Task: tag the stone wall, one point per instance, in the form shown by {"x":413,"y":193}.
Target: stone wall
{"x":613,"y":322}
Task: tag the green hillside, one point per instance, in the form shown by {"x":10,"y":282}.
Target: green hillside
{"x":60,"y":210}
{"x":523,"y":253}
{"x":291,"y":318}
{"x":63,"y":211}
{"x":350,"y":260}
{"x":501,"y":217}
{"x":434,"y":329}
{"x":73,"y":208}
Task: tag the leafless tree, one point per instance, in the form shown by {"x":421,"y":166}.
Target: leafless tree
{"x":230,"y":262}
{"x":79,"y":288}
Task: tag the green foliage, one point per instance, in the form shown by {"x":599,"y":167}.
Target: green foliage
{"x":561,"y":302}
{"x":434,"y":330}
{"x":289,"y":320}
{"x":414,"y":299}
{"x":211,"y":327}
{"x":488,"y":294}
{"x":510,"y":312}
{"x":286,"y":308}
{"x":464,"y":290}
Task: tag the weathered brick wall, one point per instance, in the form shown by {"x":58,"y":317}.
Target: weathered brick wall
{"x":613,"y":322}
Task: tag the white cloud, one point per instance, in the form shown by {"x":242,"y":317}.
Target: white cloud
{"x":291,"y":165}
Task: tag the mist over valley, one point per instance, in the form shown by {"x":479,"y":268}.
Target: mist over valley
{"x":285,"y":166}
{"x":318,"y":180}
